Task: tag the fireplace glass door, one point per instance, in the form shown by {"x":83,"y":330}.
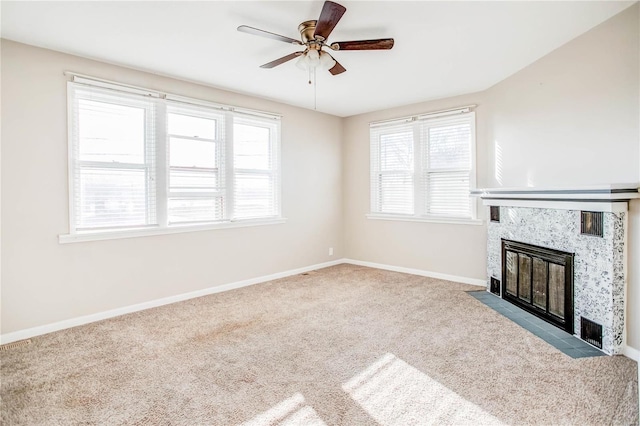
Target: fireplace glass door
{"x":539,"y":280}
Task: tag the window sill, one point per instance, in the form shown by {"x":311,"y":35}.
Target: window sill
{"x":176,"y":229}
{"x":447,"y":220}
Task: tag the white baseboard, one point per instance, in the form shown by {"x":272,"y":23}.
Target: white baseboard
{"x":422,"y":273}
{"x":628,"y":351}
{"x":86,"y":319}
{"x":632,"y":353}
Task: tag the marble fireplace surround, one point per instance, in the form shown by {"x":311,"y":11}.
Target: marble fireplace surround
{"x":550,"y":217}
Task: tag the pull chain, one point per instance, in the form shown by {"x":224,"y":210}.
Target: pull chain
{"x":313,"y":80}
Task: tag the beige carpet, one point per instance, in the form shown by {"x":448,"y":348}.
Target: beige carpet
{"x":345,"y":345}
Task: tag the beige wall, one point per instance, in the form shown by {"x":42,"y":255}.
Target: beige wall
{"x":45,"y":282}
{"x":452,"y":249}
{"x":570,"y":118}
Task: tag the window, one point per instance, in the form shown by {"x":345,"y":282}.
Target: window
{"x":112,"y":160}
{"x":196,"y":151}
{"x":149,"y":161}
{"x":423,"y":167}
{"x":254,"y":173}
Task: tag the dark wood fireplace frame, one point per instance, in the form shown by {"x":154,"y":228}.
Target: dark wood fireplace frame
{"x":549,"y":256}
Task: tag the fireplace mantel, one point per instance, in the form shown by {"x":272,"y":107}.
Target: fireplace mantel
{"x":602,"y":198}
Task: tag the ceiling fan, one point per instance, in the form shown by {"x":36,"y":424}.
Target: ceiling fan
{"x":314,"y":35}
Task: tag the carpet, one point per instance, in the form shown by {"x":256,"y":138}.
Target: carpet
{"x":345,"y":345}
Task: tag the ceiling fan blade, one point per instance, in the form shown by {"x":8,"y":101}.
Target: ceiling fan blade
{"x":378,"y":44}
{"x":337,"y":68}
{"x":329,"y":17}
{"x":281,"y":60}
{"x":267,"y":34}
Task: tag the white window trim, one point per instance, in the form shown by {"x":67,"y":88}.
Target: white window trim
{"x":162,"y":189}
{"x":150,"y":231}
{"x":428,"y":219}
{"x":418,"y":215}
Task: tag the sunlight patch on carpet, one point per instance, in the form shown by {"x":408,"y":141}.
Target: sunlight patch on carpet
{"x":290,"y":412}
{"x":395,"y":393}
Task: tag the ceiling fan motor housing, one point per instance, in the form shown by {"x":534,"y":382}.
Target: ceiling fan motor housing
{"x":307,"y":30}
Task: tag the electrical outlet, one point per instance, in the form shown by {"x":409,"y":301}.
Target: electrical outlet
{"x":330,"y":251}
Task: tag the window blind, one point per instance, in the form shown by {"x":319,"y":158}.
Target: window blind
{"x":112,"y":160}
{"x":392,"y":167}
{"x":446,"y":149}
{"x":423,"y":167}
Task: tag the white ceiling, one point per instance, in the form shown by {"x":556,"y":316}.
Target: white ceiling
{"x":441,"y":48}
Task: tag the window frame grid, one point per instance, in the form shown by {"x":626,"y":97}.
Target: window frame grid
{"x":229,"y":170}
{"x":157,"y":168}
{"x":418,"y":191}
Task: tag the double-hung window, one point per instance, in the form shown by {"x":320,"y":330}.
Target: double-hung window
{"x":196,"y":165}
{"x":112,"y":160}
{"x":423,"y":167}
{"x":255,"y":166}
{"x":145,"y":162}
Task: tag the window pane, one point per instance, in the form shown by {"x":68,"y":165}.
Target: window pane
{"x":187,"y":125}
{"x":193,"y":180}
{"x":396,"y":151}
{"x":195,"y":210}
{"x":396,"y":193}
{"x":192,"y":153}
{"x":111,"y":197}
{"x":254,"y":195}
{"x":111,"y":133}
{"x":251,"y":147}
{"x":450,"y":146}
{"x":448,"y":194}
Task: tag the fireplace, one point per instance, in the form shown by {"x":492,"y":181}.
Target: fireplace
{"x":559,"y":253}
{"x":540,"y":281}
